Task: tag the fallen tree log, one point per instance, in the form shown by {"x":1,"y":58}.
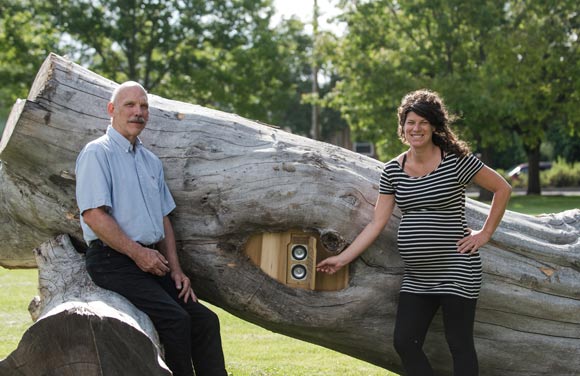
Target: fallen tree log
{"x":234,"y":179}
{"x":82,"y":329}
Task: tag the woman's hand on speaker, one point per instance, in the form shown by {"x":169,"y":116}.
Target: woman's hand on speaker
{"x":330,"y":265}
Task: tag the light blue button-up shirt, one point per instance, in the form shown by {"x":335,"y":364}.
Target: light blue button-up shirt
{"x":128,"y":181}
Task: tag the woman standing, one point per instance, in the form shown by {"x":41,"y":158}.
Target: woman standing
{"x":442,"y":265}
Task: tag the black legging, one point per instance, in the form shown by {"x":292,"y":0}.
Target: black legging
{"x":414,"y":316}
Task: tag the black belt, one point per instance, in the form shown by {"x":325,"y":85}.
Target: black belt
{"x":98,"y":243}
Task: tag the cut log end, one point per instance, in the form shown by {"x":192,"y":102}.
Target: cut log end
{"x":74,"y":343}
{"x":13,"y":118}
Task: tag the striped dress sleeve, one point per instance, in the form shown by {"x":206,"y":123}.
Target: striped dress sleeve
{"x":467,"y":167}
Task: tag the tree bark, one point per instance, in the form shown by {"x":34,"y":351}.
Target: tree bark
{"x":233,"y":178}
{"x":81,"y":329}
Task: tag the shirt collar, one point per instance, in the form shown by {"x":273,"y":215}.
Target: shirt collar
{"x":122,"y":141}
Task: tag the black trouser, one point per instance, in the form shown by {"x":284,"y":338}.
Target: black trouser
{"x":414,"y":316}
{"x":189,"y":332}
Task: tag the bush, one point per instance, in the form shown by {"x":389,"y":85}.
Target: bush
{"x":520,"y":182}
{"x":561,"y":174}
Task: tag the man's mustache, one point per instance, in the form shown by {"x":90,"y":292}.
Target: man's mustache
{"x":138,"y":119}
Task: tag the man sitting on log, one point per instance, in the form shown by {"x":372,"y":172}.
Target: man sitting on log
{"x":124,"y":202}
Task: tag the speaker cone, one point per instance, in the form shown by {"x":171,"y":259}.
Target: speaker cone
{"x":299,"y":272}
{"x":299,"y":252}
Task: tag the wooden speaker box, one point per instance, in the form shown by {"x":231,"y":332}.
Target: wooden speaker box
{"x":291,"y":257}
{"x":301,"y":261}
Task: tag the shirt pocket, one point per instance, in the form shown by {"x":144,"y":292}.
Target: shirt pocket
{"x":154,"y":182}
{"x":148,"y":178}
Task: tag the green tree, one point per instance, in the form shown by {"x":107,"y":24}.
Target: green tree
{"x":333,"y":127}
{"x":537,"y":59}
{"x":504,"y":67}
{"x":367,"y":61}
{"x":26,"y":38}
{"x":218,"y":53}
{"x":394,"y":47}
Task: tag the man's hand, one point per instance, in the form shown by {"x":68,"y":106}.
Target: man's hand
{"x":108,"y":230}
{"x":183,"y":284}
{"x":151,"y":261}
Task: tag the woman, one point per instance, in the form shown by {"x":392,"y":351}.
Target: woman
{"x":442,"y":265}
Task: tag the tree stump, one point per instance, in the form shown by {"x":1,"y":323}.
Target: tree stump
{"x":234,"y":179}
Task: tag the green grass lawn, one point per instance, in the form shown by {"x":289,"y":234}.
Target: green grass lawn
{"x":18,"y":288}
{"x":253,"y":351}
{"x":534,"y":205}
{"x":249,"y":349}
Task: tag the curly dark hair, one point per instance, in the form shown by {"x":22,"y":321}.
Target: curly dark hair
{"x":429,"y":105}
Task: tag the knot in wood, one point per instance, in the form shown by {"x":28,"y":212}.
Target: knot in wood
{"x":332,"y":241}
{"x":350,"y":199}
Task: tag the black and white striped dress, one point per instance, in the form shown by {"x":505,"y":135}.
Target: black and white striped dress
{"x":433,"y":208}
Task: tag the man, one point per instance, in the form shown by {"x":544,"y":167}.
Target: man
{"x":124,"y":202}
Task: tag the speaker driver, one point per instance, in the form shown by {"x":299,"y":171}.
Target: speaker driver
{"x":299,"y":272}
{"x":299,"y":252}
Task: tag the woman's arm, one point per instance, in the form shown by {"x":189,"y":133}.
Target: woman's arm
{"x":493,"y":182}
{"x":383,"y":210}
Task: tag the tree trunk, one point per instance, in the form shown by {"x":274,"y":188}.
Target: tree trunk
{"x":81,"y":329}
{"x":534,"y":184}
{"x":233,"y":178}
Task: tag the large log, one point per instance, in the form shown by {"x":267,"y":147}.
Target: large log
{"x":82,"y":329}
{"x":233,"y":178}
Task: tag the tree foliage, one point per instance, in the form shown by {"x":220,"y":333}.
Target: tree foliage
{"x":538,"y":58}
{"x":503,"y":67}
{"x":26,"y":37}
{"x":509,"y":69}
{"x":224,"y":54}
{"x":394,"y":47}
{"x":217,"y":53}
